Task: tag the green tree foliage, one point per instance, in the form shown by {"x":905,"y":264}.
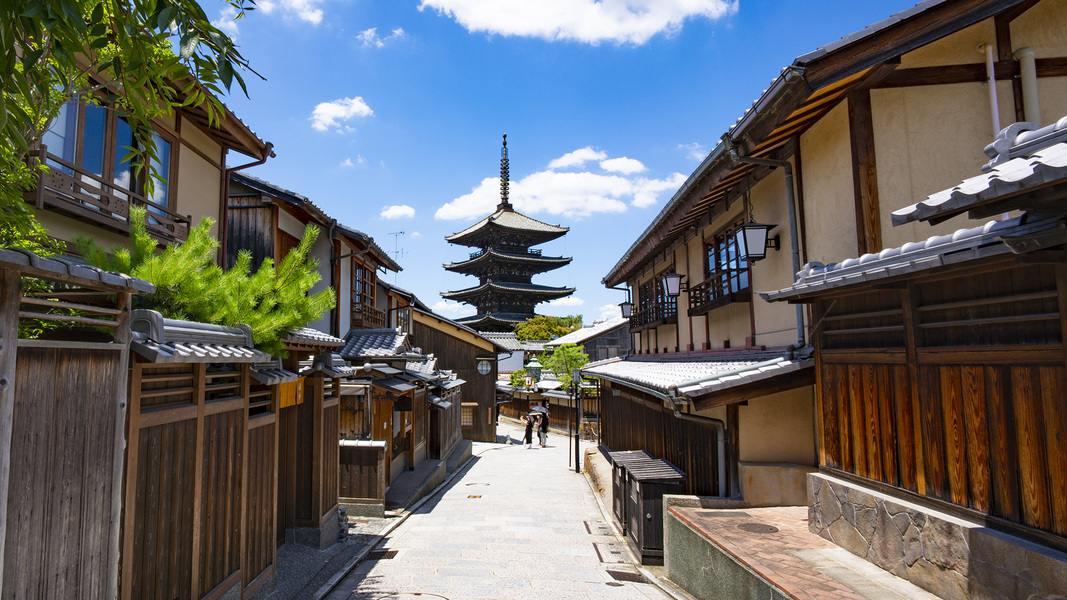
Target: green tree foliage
{"x":565,"y":359}
{"x":518,"y":379}
{"x":541,"y":327}
{"x":189,"y":285}
{"x":48,"y":49}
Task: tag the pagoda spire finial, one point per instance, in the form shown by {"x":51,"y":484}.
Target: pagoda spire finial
{"x":504,"y":205}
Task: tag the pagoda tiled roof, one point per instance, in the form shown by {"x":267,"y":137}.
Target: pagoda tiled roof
{"x":508,"y":218}
{"x":491,"y":256}
{"x":512,"y":288}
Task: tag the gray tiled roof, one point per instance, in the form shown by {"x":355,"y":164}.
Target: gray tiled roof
{"x":587,"y":333}
{"x":508,"y":286}
{"x":163,"y":340}
{"x":510,"y":319}
{"x":425,"y":369}
{"x":85,"y":275}
{"x":961,"y":246}
{"x":272,"y":373}
{"x":690,"y":377}
{"x":1040,"y":168}
{"x":367,"y":343}
{"x":330,"y":364}
{"x":307,"y":335}
{"x":505,"y":340}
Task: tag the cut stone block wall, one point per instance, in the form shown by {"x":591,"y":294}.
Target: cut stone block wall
{"x":948,"y":556}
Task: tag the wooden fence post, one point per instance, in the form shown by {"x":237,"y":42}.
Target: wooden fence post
{"x":10,"y":296}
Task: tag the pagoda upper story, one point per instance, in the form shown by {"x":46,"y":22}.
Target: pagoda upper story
{"x":505,"y":264}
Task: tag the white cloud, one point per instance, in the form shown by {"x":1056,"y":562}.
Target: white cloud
{"x":626,"y":166}
{"x":227,"y":22}
{"x":648,"y":191}
{"x":402,"y":211}
{"x":587,"y":21}
{"x":370,"y":37}
{"x":577,"y":158}
{"x":332,"y":114}
{"x":415,"y":235}
{"x":571,"y":195}
{"x":349,"y":163}
{"x":608,"y":312}
{"x":694,"y":151}
{"x":305,"y":10}
{"x":568,"y":301}
{"x":448,"y":307}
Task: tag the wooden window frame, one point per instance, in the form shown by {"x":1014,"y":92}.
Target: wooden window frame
{"x":722,"y":283}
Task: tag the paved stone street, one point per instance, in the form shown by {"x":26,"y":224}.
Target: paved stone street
{"x":516,"y":523}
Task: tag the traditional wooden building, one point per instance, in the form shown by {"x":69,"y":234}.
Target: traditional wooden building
{"x":472,"y":358}
{"x":602,"y":340}
{"x":505,"y":264}
{"x":90,"y":187}
{"x":843,"y":136}
{"x":268,"y":220}
{"x":943,"y":382}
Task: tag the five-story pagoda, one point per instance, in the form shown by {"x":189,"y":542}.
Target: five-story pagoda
{"x":505,"y":264}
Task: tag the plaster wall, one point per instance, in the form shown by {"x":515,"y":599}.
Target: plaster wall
{"x":829,"y":206}
{"x":199,"y":187}
{"x":778,"y":428}
{"x":321,"y":251}
{"x":291,"y":225}
{"x":928,"y":139}
{"x":1041,"y":28}
{"x":960,"y":48}
{"x":775,"y":321}
{"x":66,"y":229}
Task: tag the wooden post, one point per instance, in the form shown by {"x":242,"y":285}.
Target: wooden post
{"x":199,"y":395}
{"x":119,"y":404}
{"x":10,"y":296}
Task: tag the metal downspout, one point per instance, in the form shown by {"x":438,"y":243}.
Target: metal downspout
{"x":794,"y":243}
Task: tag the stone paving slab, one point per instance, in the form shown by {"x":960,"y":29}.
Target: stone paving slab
{"x":517,"y":523}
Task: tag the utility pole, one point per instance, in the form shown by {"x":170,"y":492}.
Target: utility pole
{"x":396,"y":253}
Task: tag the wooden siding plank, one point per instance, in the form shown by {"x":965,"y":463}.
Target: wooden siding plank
{"x":933,"y":433}
{"x":1030,"y":440}
{"x":1003,"y":449}
{"x":1054,"y":415}
{"x":885,"y":400}
{"x":857,"y":421}
{"x":844,"y":421}
{"x":955,"y":434}
{"x":905,"y":427}
{"x":972,"y":386}
{"x":871,"y":424}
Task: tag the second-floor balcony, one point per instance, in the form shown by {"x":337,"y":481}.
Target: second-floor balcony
{"x":719,"y":290}
{"x":75,"y":192}
{"x":368,"y":317}
{"x":664,"y":312}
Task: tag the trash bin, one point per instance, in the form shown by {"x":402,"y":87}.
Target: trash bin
{"x":647,"y":481}
{"x":618,"y":481}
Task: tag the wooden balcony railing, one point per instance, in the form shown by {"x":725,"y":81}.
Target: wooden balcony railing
{"x":716,"y":291}
{"x":664,"y":312}
{"x":368,"y":317}
{"x":88,"y":197}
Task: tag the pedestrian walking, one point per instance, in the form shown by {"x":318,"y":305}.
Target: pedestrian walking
{"x":528,"y":439}
{"x":542,"y":429}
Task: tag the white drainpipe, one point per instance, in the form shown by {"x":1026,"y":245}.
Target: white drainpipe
{"x":991,"y":81}
{"x":1028,"y":72}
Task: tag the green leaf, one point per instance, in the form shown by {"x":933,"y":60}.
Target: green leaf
{"x":188,"y":45}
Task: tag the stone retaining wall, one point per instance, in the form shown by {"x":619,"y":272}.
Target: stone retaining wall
{"x":950,"y":557}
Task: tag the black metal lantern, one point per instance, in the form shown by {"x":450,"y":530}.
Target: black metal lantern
{"x":753,"y":240}
{"x":627,"y":309}
{"x":672,"y":284}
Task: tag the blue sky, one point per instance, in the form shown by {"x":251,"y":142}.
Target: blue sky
{"x":388,"y":114}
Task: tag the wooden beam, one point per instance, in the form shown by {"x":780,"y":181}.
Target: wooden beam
{"x":900,"y":38}
{"x":1003,"y":70}
{"x":864,"y":172}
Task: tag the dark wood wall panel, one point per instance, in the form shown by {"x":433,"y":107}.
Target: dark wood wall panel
{"x":261,"y":514}
{"x":220,"y":523}
{"x":163,"y":546}
{"x":331,"y":419}
{"x":634,"y":422}
{"x":63,"y":461}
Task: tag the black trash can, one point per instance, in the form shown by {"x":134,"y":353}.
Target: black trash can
{"x":618,"y":481}
{"x":647,"y":481}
